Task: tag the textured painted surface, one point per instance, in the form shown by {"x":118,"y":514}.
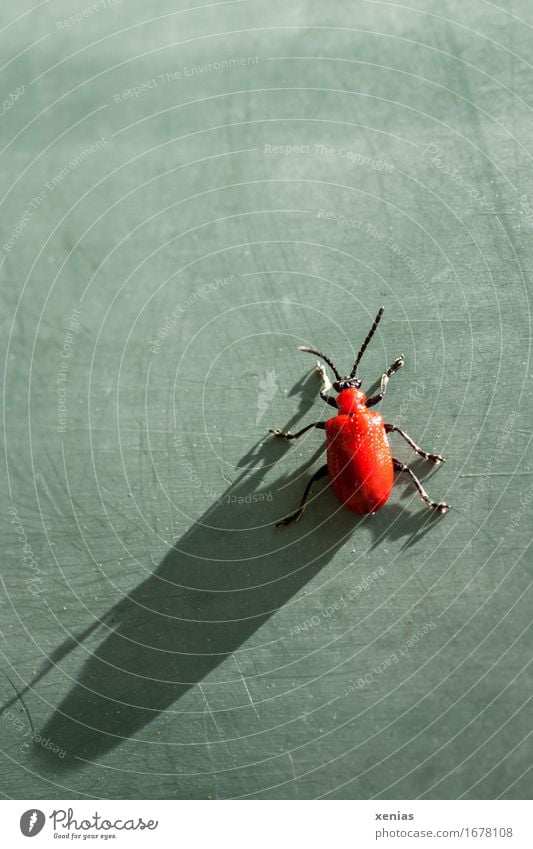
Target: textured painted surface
{"x":187,"y":196}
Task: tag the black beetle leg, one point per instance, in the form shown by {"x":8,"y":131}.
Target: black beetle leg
{"x":440,"y":506}
{"x":282,"y":435}
{"x":321,"y":473}
{"x":433,"y":458}
{"x":392,"y":369}
{"x":325,"y":385}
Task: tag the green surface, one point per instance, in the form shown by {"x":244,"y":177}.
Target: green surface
{"x":164,"y":636}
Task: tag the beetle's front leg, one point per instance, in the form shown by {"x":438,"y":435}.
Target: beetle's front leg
{"x":288,"y":435}
{"x":325,"y":385}
{"x":392,"y":369}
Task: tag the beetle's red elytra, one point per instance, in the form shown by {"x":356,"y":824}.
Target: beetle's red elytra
{"x":360,"y":464}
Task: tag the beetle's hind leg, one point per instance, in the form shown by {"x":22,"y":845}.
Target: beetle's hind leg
{"x":433,"y":458}
{"x":321,"y":473}
{"x":439,"y":506}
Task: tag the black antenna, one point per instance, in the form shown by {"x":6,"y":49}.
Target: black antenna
{"x":367,"y":340}
{"x":324,"y":357}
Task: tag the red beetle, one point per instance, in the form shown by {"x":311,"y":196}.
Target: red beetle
{"x":359,"y":458}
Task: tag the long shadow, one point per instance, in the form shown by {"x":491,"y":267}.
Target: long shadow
{"x":217,"y":585}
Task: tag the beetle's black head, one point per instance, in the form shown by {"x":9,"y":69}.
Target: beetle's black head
{"x":347,"y":383}
{"x":350,"y":382}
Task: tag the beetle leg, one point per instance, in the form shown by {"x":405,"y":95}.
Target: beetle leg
{"x":321,"y":473}
{"x":433,"y":458}
{"x":392,"y":369}
{"x":440,"y":506}
{"x":325,"y":385}
{"x":282,"y":435}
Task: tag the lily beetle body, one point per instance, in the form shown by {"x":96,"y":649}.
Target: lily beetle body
{"x":360,"y":464}
{"x":359,"y":457}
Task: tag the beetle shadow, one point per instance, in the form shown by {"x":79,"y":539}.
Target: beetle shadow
{"x":216,"y":586}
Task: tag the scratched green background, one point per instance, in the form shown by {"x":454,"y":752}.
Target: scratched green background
{"x":161,"y":261}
